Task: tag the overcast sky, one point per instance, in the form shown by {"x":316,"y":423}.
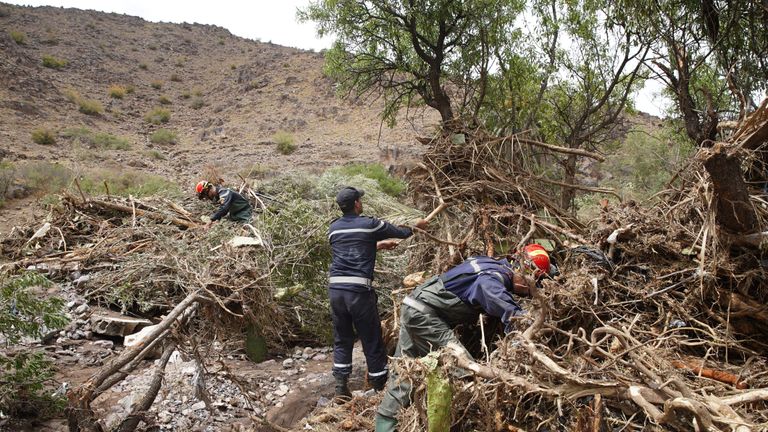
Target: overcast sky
{"x":266,"y":20}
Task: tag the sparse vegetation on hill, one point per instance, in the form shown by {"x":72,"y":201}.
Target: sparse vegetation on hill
{"x":197,"y":103}
{"x":99,"y":140}
{"x":90,"y":106}
{"x":158,"y":116}
{"x":164,"y":100}
{"x":19,"y":37}
{"x":117,"y":91}
{"x":388,"y":184}
{"x":163,"y":136}
{"x":285,"y":142}
{"x":52,"y":62}
{"x":157,"y":85}
{"x":43,"y":136}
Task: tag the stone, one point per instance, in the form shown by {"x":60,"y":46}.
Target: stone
{"x":105,"y":322}
{"x":282,"y":390}
{"x":82,"y":309}
{"x":105,"y":344}
{"x":320,"y":357}
{"x":288,"y":363}
{"x":198,"y":406}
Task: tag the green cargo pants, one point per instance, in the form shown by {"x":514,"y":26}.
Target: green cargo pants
{"x":423,"y":331}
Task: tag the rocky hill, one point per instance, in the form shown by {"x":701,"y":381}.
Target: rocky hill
{"x":81,"y":75}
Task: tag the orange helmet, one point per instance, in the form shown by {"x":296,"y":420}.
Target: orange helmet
{"x":540,"y":258}
{"x":201,"y":187}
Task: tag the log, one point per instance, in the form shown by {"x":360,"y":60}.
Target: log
{"x":733,"y":210}
{"x":144,"y":213}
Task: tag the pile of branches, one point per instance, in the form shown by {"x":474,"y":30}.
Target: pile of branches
{"x":657,"y":321}
{"x":264,"y":282}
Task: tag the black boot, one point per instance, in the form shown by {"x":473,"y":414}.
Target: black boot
{"x":378,"y":383}
{"x":342,"y":389}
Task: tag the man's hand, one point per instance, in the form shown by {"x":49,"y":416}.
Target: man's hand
{"x":387,"y":244}
{"x":421,"y":224}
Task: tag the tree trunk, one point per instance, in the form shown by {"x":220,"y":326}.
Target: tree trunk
{"x":733,"y":210}
{"x":568,"y":194}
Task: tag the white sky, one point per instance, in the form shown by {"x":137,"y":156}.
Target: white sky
{"x":266,"y":20}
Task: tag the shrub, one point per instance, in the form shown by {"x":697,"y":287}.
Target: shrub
{"x":72,"y":95}
{"x":175,"y":78}
{"x":179,"y":62}
{"x":197,"y":103}
{"x":163,"y":99}
{"x":117,"y":91}
{"x":130,"y":89}
{"x":90,"y":106}
{"x":24,"y":377}
{"x":186,"y":95}
{"x":390,"y":185}
{"x":285,"y":142}
{"x":100,"y":140}
{"x":157,"y":85}
{"x":152,"y":47}
{"x":163,"y":136}
{"x":4,"y":12}
{"x":143,"y":66}
{"x":52,"y":62}
{"x":43,"y":136}
{"x":197,"y":92}
{"x":154,"y":154}
{"x":126,"y":182}
{"x":233,"y":66}
{"x":19,"y":37}
{"x":158,"y":116}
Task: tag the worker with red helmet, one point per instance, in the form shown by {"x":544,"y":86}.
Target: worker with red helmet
{"x":429,"y":314}
{"x":231,"y":203}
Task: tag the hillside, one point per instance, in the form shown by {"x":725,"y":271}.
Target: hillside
{"x":227,"y":98}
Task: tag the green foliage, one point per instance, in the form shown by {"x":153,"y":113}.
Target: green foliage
{"x":52,"y":62}
{"x":23,"y":380}
{"x":117,"y":91}
{"x":408,"y":51}
{"x":285,"y":142}
{"x":43,"y":136}
{"x":100,"y":140}
{"x":19,"y":37}
{"x":390,"y":185}
{"x":126,"y":182}
{"x":164,"y":136}
{"x":25,"y":313}
{"x":158,"y":116}
{"x":90,"y":106}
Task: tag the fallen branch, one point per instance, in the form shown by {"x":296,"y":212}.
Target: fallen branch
{"x":722,"y":376}
{"x":144,"y":213}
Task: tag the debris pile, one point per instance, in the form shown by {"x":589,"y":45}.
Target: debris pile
{"x":657,"y":321}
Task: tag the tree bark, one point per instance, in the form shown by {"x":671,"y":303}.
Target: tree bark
{"x":733,"y":210}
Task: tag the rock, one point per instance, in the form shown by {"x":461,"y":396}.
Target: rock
{"x":198,"y":406}
{"x":104,"y":344}
{"x":164,"y":417}
{"x":82,"y":309}
{"x":288,"y":363}
{"x":81,"y":280}
{"x":308,"y":353}
{"x":73,"y":304}
{"x":323,"y":402}
{"x":282,"y":390}
{"x":110,"y":323}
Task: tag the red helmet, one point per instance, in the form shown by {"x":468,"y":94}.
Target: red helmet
{"x":201,"y":187}
{"x":539,"y":256}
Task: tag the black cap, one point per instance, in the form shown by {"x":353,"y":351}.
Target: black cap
{"x":347,"y":196}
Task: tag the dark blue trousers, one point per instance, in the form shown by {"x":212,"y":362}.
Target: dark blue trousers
{"x":355,"y":314}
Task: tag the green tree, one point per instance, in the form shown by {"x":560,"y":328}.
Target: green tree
{"x":436,"y":52}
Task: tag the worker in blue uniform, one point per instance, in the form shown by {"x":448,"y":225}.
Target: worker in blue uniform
{"x":430,"y":313}
{"x":354,"y":241}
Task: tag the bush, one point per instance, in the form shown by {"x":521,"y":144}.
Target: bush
{"x":157,"y":85}
{"x":24,"y":377}
{"x":285,"y":142}
{"x":117,"y":91}
{"x":143,"y":66}
{"x":99,"y":140}
{"x":130,"y":89}
{"x":126,"y":182}
{"x":158,"y":116}
{"x":175,"y":78}
{"x":19,"y":37}
{"x":154,"y":154}
{"x":163,"y":136}
{"x":163,"y":99}
{"x":43,"y":136}
{"x":90,"y":106}
{"x":197,"y":103}
{"x":390,"y":185}
{"x":52,"y":62}
{"x":4,"y":12}
{"x":72,"y":95}
{"x":186,"y":95}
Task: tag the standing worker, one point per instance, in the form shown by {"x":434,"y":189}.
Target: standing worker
{"x":354,"y":241}
{"x":430,"y":313}
{"x":230,"y":202}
